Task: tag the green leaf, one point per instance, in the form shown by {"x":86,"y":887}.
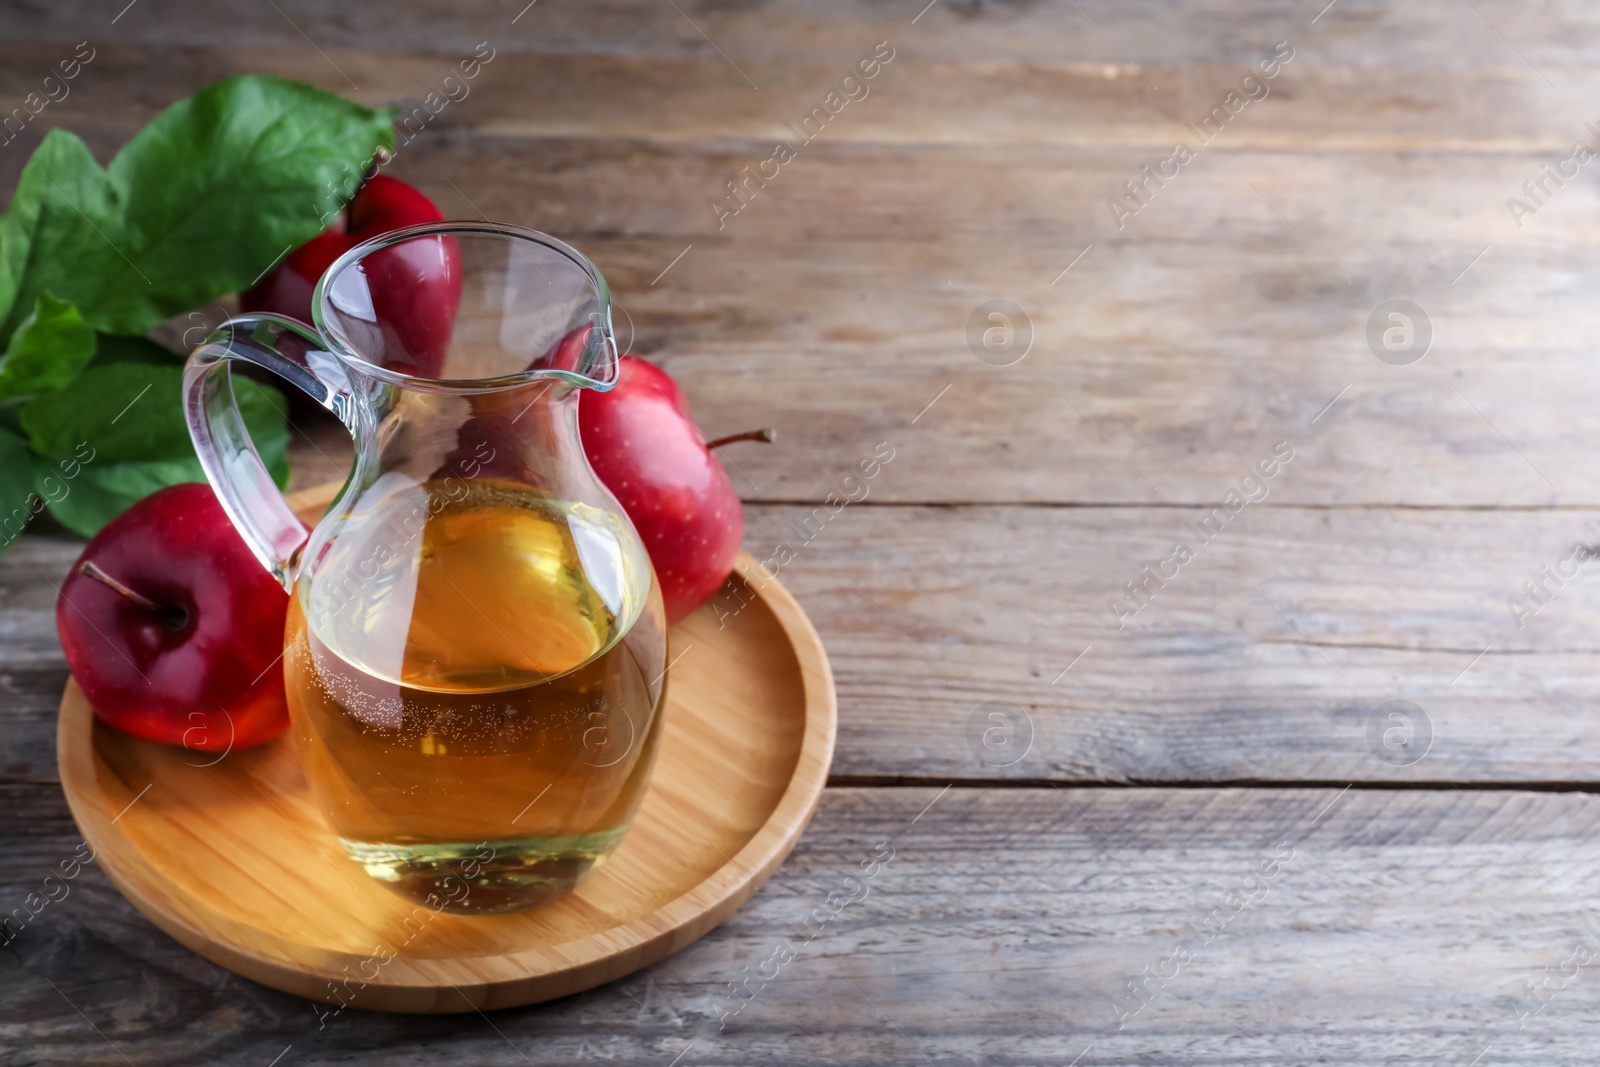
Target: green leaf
{"x":62,"y":206}
{"x":197,"y":206}
{"x":124,"y":422}
{"x":101,"y":492}
{"x":117,"y":348}
{"x":16,"y":487}
{"x":10,"y":422}
{"x":48,"y":350}
{"x":122,"y":410}
{"x":134,"y":411}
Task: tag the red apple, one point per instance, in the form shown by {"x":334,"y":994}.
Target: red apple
{"x":645,"y":448}
{"x":173,"y":629}
{"x":415,"y":286}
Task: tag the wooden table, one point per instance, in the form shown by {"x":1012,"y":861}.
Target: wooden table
{"x":1191,"y":833}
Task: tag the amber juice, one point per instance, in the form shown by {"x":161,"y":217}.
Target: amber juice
{"x":475,"y":674}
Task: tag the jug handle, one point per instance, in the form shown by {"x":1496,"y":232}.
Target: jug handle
{"x":232,"y":465}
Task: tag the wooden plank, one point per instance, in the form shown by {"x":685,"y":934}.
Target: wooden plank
{"x":1431,"y":33}
{"x":1207,"y":333}
{"x":1384,"y":927}
{"x":930,"y":613}
{"x":1496,"y":104}
{"x":1268,"y":656}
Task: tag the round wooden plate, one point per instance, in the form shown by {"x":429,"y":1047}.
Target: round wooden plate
{"x":234,"y":861}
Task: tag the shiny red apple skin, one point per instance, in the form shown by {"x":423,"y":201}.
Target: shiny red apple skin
{"x":214,"y":683}
{"x":645,"y":448}
{"x":416,"y":286}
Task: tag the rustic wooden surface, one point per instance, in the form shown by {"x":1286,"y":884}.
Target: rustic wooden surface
{"x":1435,"y":911}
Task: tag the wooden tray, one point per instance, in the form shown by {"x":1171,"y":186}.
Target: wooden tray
{"x":234,"y":861}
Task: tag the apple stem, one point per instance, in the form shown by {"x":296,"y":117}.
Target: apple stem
{"x":172,"y":615}
{"x":749,"y":435}
{"x":379,"y":158}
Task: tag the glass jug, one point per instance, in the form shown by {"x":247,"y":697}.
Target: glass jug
{"x":475,"y":652}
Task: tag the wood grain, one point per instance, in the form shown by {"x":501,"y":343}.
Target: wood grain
{"x":1432,"y":34}
{"x":1264,"y":659}
{"x":1404,"y":927}
{"x":1209,"y":683}
{"x":916,"y":99}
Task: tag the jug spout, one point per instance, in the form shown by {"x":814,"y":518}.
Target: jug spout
{"x":496,"y":305}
